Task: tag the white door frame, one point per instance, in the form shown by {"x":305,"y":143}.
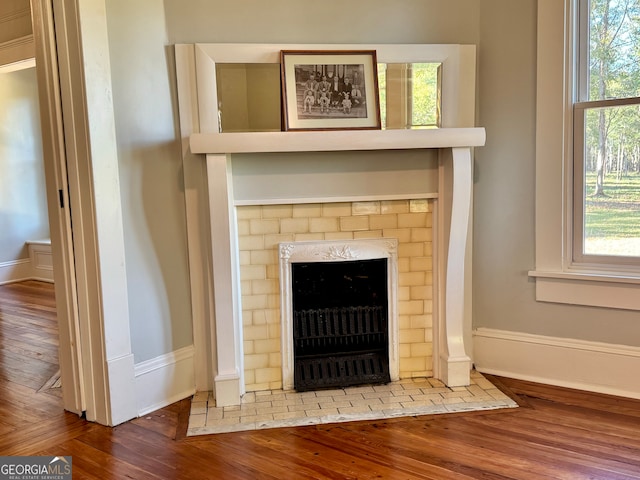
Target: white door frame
{"x":89,"y":269}
{"x":53,"y":143}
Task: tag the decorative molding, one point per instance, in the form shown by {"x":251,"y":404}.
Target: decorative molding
{"x":285,"y":250}
{"x":583,"y":365}
{"x":41,"y":260}
{"x":164,"y":380}
{"x":16,"y":42}
{"x":339,"y":253}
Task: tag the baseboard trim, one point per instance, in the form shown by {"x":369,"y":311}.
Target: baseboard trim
{"x":591,"y":366}
{"x":39,"y":265}
{"x":164,"y":380}
{"x":15,"y":271}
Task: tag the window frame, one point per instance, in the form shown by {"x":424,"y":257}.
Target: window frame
{"x":581,"y":106}
{"x":558,"y":278}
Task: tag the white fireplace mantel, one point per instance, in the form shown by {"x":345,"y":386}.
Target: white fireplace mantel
{"x":453,"y":365}
{"x":216,"y":308}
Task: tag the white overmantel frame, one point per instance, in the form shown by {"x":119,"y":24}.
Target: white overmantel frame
{"x":216,"y":293}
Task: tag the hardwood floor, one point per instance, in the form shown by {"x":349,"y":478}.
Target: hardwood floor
{"x":556,"y":433}
{"x":28,"y":333}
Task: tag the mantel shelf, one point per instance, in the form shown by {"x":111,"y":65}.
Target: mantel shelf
{"x":335,"y":140}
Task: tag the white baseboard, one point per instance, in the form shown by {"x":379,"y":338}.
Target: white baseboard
{"x":15,"y":271}
{"x":164,"y":380}
{"x":591,"y":366}
{"x":39,"y":265}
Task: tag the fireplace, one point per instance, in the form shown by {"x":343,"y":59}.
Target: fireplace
{"x":338,"y":302}
{"x":242,"y":323}
{"x":340,"y":324}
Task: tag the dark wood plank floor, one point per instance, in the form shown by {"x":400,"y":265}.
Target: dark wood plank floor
{"x":555,"y":434}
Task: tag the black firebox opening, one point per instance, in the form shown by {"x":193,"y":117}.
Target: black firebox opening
{"x":340,"y":324}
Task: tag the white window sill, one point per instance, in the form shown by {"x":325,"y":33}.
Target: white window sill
{"x":588,"y":288}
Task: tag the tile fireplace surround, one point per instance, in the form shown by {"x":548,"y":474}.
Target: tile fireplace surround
{"x":254,"y":203}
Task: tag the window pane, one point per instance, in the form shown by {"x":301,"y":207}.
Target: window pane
{"x":612,"y":181}
{"x":614,"y":49}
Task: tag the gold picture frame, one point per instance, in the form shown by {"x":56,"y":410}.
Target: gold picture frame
{"x":330,"y":90}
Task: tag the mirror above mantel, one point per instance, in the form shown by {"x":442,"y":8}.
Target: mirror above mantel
{"x":250,"y":99}
{"x":239,"y":84}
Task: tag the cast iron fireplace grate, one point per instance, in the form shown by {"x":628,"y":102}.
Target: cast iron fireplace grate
{"x":339,"y":347}
{"x":345,"y":341}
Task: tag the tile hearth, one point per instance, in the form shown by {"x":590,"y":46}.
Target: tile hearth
{"x":277,"y":408}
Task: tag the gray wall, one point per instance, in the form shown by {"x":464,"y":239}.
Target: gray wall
{"x":291,"y":21}
{"x":23,"y":207}
{"x":151,"y":183}
{"x":141,"y":34}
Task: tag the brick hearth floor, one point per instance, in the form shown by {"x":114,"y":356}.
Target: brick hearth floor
{"x":277,"y":408}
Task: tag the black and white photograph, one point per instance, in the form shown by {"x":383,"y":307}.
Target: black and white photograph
{"x":330,"y":90}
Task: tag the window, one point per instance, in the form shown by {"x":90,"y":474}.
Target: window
{"x":570,"y":268}
{"x":606,"y":168}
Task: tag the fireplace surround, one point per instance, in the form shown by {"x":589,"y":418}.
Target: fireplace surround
{"x":261,"y":231}
{"x":219,"y":193}
{"x":357,"y":320}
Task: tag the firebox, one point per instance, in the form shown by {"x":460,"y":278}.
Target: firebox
{"x":340,"y":323}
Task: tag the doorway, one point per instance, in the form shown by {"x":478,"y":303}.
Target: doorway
{"x":27,"y":300}
{"x":36,"y":40}
{"x":96,"y":360}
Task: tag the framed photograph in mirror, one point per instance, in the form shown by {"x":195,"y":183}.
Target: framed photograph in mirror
{"x":330,"y":90}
